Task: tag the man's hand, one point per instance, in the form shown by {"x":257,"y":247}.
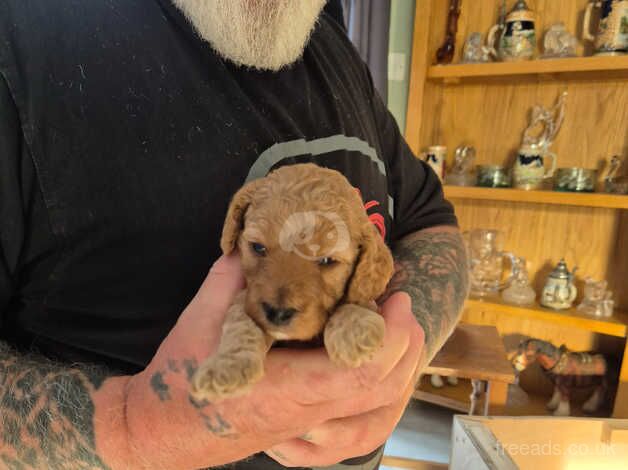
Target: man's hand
{"x":304,"y":412}
{"x":338,"y":439}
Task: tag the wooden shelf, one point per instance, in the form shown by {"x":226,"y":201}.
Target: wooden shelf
{"x":570,"y":67}
{"x":617,"y":325}
{"x":611,"y":201}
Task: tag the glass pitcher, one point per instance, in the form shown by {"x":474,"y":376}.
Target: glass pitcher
{"x":486,"y":262}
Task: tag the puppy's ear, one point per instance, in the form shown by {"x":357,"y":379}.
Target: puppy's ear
{"x":234,"y":222}
{"x":373,"y":269}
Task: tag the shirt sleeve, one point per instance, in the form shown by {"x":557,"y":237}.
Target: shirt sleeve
{"x":11,"y":200}
{"x":419,"y":202}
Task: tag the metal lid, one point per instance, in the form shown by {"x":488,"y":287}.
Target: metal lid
{"x":521,"y":12}
{"x":561,"y":271}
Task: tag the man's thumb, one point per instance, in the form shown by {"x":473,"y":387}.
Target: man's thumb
{"x":224,"y":281}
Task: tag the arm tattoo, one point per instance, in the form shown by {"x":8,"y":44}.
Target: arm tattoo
{"x":212,"y":419}
{"x":47,"y":413}
{"x":431,"y":267}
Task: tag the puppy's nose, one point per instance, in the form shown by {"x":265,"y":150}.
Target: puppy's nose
{"x":278,"y":316}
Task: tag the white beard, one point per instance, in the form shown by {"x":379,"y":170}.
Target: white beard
{"x":263,"y":34}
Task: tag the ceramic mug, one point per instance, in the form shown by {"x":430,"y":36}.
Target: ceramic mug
{"x":529,"y":170}
{"x":612,"y":34}
{"x":435,"y":157}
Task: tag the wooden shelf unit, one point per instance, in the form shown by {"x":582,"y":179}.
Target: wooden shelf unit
{"x":568,"y":68}
{"x":609,"y":201}
{"x":488,"y":106}
{"x":617,"y":325}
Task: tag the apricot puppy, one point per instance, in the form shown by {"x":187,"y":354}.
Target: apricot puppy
{"x":313,"y":264}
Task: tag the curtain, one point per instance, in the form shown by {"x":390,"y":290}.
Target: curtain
{"x":368,"y":25}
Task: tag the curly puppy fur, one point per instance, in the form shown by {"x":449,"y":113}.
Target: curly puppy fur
{"x":313,"y":263}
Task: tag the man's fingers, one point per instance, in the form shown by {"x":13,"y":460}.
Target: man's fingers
{"x":340,"y":439}
{"x":309,"y":377}
{"x":224,"y":281}
{"x":398,"y":302}
{"x":369,"y":428}
{"x":208,"y":308}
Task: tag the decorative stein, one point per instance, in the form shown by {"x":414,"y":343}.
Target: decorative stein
{"x":518,"y":35}
{"x":559,"y":291}
{"x":435,"y":157}
{"x":612,"y":33}
{"x":529,"y":171}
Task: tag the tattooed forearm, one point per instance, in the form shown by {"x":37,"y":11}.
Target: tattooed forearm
{"x":431,"y":267}
{"x":47,"y":413}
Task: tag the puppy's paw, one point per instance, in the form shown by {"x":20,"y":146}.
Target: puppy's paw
{"x":353,"y":334}
{"x":225,"y":376}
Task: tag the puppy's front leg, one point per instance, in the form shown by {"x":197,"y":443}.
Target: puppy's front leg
{"x":239,"y":361}
{"x":353,"y":334}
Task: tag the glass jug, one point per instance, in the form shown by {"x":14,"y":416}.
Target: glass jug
{"x":486,"y":262}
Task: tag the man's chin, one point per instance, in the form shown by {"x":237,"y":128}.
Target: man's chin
{"x":270,"y":35}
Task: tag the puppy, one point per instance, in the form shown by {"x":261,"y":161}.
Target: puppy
{"x":313,"y":263}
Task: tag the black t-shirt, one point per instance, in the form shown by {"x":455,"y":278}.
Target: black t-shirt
{"x":123,"y":137}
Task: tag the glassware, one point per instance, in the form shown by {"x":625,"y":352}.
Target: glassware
{"x":474,"y":51}
{"x":519,"y":292}
{"x":613,"y":183}
{"x":486,"y":262}
{"x":597,"y":300}
{"x":493,"y":176}
{"x":577,"y":180}
{"x":462,"y":172}
{"x":559,"y":42}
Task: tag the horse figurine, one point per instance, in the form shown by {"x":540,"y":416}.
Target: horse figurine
{"x":567,"y":370}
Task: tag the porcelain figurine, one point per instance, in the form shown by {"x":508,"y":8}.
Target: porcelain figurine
{"x":568,"y":371}
{"x":559,"y":291}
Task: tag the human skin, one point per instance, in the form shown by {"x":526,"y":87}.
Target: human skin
{"x":305,"y":412}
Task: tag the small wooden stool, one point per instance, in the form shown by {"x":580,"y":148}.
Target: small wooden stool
{"x":477,"y":353}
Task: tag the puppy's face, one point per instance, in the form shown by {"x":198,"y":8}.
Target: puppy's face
{"x":306,"y":245}
{"x":297,"y":265}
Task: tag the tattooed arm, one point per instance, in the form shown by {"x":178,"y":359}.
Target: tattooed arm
{"x":431,"y":267}
{"x":49,"y":414}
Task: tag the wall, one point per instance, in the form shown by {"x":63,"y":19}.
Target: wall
{"x":400,"y":51}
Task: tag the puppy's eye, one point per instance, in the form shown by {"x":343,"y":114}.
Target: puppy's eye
{"x":327,"y":261}
{"x":258,"y":249}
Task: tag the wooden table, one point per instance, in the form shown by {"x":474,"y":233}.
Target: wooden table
{"x":477,"y":353}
